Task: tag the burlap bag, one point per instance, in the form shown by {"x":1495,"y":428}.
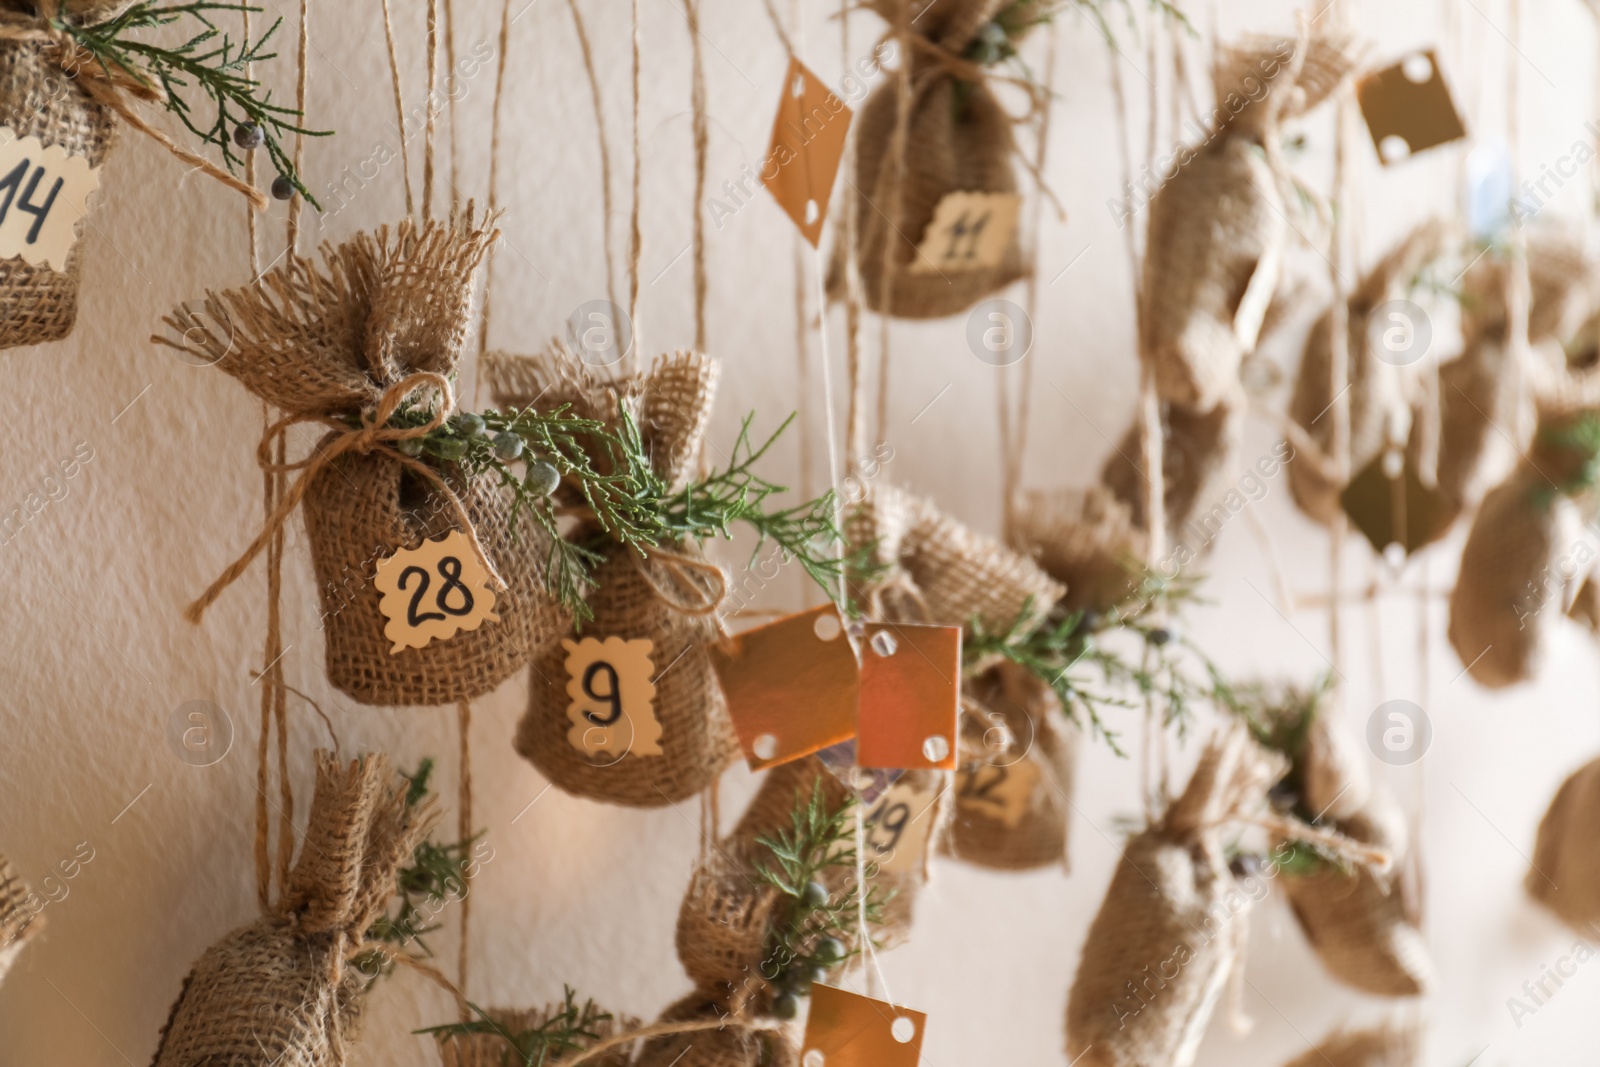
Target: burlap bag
{"x":20,"y":918}
{"x":663,"y":598}
{"x":1084,"y":539}
{"x":1218,"y":228}
{"x":1487,"y":414}
{"x":1198,"y":456}
{"x":1511,"y":584}
{"x":287,"y":989}
{"x":959,"y":139}
{"x":934,"y":569}
{"x":1018,"y":759}
{"x":495,"y":1050}
{"x":383,"y":321}
{"x":1565,"y":873}
{"x":37,"y":99}
{"x":1377,"y":391}
{"x":1383,"y":1046}
{"x":735,"y":1043}
{"x":1172,"y":906}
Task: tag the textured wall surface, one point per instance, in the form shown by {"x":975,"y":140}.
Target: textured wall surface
{"x":166,"y":490}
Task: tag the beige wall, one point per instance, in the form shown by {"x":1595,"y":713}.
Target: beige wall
{"x":97,"y":657}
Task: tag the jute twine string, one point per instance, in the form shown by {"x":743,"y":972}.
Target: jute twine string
{"x":697,"y":94}
{"x":429,"y":127}
{"x":455,"y":140}
{"x":494,"y":178}
{"x":605,"y":147}
{"x":856,"y":426}
{"x":464,"y":832}
{"x":302,"y":74}
{"x":399,"y":105}
{"x":373,"y":435}
{"x":116,"y":88}
{"x":703,"y":583}
{"x":1339,"y":340}
{"x":635,"y":234}
{"x":250,"y":174}
{"x":894,"y":174}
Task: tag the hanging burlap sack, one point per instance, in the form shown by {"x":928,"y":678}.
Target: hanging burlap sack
{"x":38,"y":99}
{"x":1378,"y":395}
{"x":1392,"y":1045}
{"x":1565,"y":873}
{"x":1218,"y":228}
{"x":498,"y":1049}
{"x":1518,"y":561}
{"x":1487,"y":413}
{"x":733,"y":1043}
{"x":933,"y":569}
{"x":288,"y":988}
{"x":1086,"y":540}
{"x":668,"y":598}
{"x":1198,"y":457}
{"x":382,"y":324}
{"x":1172,"y":922}
{"x":1014,"y":787}
{"x":958,"y":140}
{"x":20,"y":918}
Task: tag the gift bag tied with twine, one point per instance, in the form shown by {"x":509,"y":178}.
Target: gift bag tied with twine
{"x":958,"y":139}
{"x":1085,"y":539}
{"x":1564,"y":874}
{"x":288,"y":988}
{"x":374,"y":332}
{"x":1217,"y":233}
{"x":53,"y":89}
{"x":20,"y":918}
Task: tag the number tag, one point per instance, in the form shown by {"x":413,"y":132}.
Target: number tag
{"x":43,"y":194}
{"x":849,"y":1030}
{"x":898,"y":827}
{"x":808,"y":137}
{"x":1003,"y":792}
{"x":613,"y":693}
{"x":433,"y":592}
{"x":968,"y":231}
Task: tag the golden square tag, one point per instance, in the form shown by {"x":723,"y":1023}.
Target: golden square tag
{"x":848,"y":1030}
{"x":792,"y":686}
{"x":910,"y":697}
{"x":968,"y":231}
{"x":808,"y":139}
{"x":433,"y":592}
{"x":1408,"y":108}
{"x":611,"y":685}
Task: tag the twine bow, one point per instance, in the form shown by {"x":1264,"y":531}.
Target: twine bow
{"x":698,"y":586}
{"x":373,"y":435}
{"x":111,"y":88}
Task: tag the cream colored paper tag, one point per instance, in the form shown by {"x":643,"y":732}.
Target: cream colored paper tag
{"x":898,"y":826}
{"x":1000,"y":792}
{"x":613,"y":693}
{"x":433,"y":592}
{"x":968,"y":231}
{"x":43,"y":194}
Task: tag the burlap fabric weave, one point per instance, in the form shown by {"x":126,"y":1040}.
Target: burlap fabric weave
{"x":38,"y":304}
{"x":959,"y":139}
{"x":1084,"y":539}
{"x":19,"y":916}
{"x":1564,"y":874}
{"x":1219,"y":219}
{"x":1377,"y":392}
{"x":1014,"y":787}
{"x":635,"y":597}
{"x":326,"y":344}
{"x":288,"y":988}
{"x":1392,"y":1045}
{"x":1170,"y":923}
{"x":497,"y":1049}
{"x":937,"y":570}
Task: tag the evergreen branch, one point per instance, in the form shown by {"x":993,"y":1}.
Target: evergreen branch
{"x":436,"y":874}
{"x":571,"y":1029}
{"x":209,"y":60}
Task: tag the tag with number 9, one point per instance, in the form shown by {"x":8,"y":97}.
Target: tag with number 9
{"x":612,"y":689}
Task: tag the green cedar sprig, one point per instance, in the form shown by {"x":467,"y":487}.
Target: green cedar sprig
{"x":610,"y":469}
{"x":572,"y":1029}
{"x":209,"y":60}
{"x":435,"y":874}
{"x":810,"y":934}
{"x":1089,"y":678}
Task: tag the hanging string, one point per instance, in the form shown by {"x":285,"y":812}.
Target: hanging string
{"x":896,"y":171}
{"x":494,"y":178}
{"x":302,"y":74}
{"x":635,"y":236}
{"x":450,"y":63}
{"x":250,"y":180}
{"x":605,"y":149}
{"x":697,"y":95}
{"x":464,"y":833}
{"x":1339,"y":343}
{"x":428,"y":127}
{"x":856,"y":414}
{"x":399,"y":105}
